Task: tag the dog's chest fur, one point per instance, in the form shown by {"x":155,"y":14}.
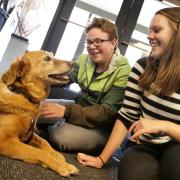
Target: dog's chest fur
{"x":15,"y":108}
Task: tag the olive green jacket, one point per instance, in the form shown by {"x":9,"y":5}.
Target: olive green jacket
{"x":101,"y":94}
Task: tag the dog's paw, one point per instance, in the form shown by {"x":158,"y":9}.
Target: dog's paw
{"x":67,"y":169}
{"x":72,"y":169}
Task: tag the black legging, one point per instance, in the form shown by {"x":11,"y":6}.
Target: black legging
{"x":140,"y":162}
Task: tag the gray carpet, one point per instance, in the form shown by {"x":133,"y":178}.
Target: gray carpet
{"x":11,"y":169}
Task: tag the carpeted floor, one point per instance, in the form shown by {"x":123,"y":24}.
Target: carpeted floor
{"x":11,"y":169}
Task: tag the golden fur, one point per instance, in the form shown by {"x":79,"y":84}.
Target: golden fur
{"x":22,"y":87}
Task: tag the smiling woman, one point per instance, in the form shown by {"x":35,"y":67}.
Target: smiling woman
{"x":102,"y":75}
{"x":156,"y":39}
{"x":150,"y":113}
{"x":164,"y":53}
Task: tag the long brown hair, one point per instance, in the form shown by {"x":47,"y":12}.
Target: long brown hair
{"x":164,"y":76}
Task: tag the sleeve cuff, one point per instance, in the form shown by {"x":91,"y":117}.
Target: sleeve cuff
{"x":124,"y":121}
{"x":67,"y":111}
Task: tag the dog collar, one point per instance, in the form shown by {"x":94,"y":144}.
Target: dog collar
{"x":18,"y":90}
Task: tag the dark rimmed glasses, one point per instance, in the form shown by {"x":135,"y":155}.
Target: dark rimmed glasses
{"x":96,"y":42}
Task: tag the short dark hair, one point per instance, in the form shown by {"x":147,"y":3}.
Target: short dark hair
{"x":105,"y":25}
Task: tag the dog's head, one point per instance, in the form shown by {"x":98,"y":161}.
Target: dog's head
{"x":35,"y":71}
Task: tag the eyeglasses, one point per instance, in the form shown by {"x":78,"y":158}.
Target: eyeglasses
{"x":96,"y":42}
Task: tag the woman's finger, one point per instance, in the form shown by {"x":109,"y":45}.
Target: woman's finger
{"x":131,"y":129}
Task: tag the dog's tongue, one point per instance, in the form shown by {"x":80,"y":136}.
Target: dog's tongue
{"x":59,"y":76}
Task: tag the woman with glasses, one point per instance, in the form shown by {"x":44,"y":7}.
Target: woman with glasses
{"x":151,"y":109}
{"x":102,"y":75}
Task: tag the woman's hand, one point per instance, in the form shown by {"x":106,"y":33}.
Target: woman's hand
{"x":154,"y":126}
{"x":146,"y":126}
{"x":91,"y":161}
{"x":52,"y":110}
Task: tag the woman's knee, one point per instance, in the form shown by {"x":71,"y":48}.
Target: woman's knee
{"x":138,"y":164}
{"x":170,"y":163}
{"x":63,"y":136}
{"x":68,"y":137}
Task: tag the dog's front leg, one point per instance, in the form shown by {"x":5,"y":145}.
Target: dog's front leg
{"x":41,"y":143}
{"x":18,"y":150}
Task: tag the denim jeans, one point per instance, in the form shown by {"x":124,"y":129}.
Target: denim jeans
{"x":72,"y":138}
{"x":3,"y":17}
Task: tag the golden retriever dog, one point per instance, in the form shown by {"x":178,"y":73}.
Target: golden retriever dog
{"x":22,"y":87}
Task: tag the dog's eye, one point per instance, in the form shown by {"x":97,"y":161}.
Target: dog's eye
{"x":47,"y":58}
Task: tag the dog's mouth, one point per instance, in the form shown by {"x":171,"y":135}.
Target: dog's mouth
{"x":60,"y":77}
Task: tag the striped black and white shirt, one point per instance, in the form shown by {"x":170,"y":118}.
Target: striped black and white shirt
{"x":140,"y":103}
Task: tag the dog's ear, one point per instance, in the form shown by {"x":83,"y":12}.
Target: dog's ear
{"x":13,"y":72}
{"x":25,"y":64}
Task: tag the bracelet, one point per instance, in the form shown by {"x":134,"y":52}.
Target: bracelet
{"x":101,"y":160}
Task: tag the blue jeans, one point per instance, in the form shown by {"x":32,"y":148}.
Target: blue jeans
{"x":3,"y":17}
{"x":72,"y":138}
